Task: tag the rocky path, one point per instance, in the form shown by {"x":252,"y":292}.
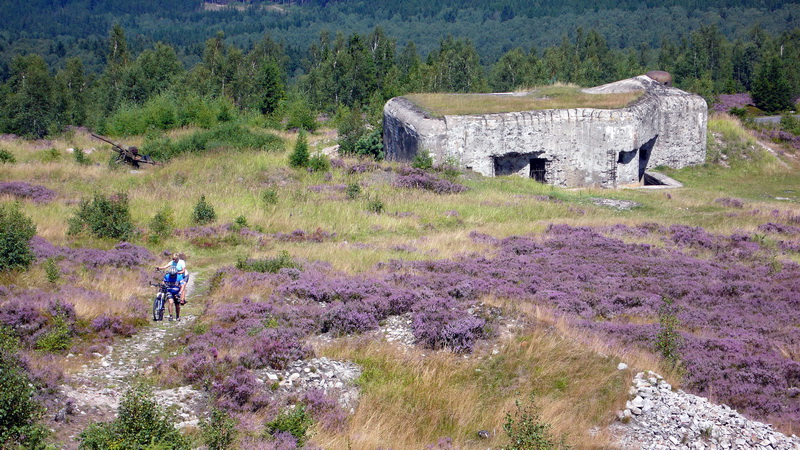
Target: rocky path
{"x":658,"y":417}
{"x":94,"y":391}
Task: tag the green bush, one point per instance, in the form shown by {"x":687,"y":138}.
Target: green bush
{"x":81,"y":158}
{"x":203,"y":212}
{"x":295,"y":421}
{"x":16,"y":230}
{"x":59,"y":337}
{"x":228,"y":135}
{"x":353,"y":190}
{"x":19,"y":412}
{"x":668,"y":339}
{"x":219,"y":431}
{"x":269,"y":197}
{"x":51,"y":155}
{"x":423,"y":160}
{"x":6,"y":157}
{"x":52,"y":271}
{"x":300,"y":115}
{"x":140,"y":424}
{"x":239,"y":223}
{"x":271,"y":265}
{"x":370,"y":144}
{"x":161,"y":225}
{"x":103,"y":217}
{"x":319,"y":163}
{"x":526,"y":431}
{"x":790,"y":124}
{"x":299,"y":157}
{"x":375,"y":205}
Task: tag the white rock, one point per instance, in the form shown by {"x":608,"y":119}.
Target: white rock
{"x":622,"y":366}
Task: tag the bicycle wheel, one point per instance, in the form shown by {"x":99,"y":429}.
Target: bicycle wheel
{"x":158,"y":308}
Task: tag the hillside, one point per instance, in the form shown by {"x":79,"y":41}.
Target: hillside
{"x":397,"y":306}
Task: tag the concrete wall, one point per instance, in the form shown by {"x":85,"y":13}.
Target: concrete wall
{"x":583,"y":147}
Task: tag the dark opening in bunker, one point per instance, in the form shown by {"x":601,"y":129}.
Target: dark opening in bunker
{"x":644,"y":156}
{"x":650,"y":180}
{"x":538,"y":169}
{"x":522,"y":164}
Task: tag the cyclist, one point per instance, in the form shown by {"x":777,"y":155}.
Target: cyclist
{"x":175,"y":285}
{"x":176,"y":262}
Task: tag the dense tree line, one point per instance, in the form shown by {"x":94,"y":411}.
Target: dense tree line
{"x":349,"y":75}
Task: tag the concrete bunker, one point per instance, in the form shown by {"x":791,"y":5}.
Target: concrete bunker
{"x":576,"y":147}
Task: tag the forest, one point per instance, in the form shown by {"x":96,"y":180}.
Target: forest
{"x":141,"y":67}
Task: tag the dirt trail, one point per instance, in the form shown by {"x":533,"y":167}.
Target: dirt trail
{"x":96,"y":388}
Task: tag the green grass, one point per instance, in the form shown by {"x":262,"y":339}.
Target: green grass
{"x":550,"y":97}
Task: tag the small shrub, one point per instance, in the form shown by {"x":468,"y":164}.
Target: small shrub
{"x":239,"y":223}
{"x":319,"y":163}
{"x":140,"y":424}
{"x":203,"y":212}
{"x":371,"y":144}
{"x":51,"y":155}
{"x":271,"y":265}
{"x":161,"y":225}
{"x":6,"y":157}
{"x":375,"y":205}
{"x":423,"y":160}
{"x":16,"y":230}
{"x":59,"y":336}
{"x":19,"y":412}
{"x":353,"y":191}
{"x":269,"y":197}
{"x":668,"y":339}
{"x":301,"y":116}
{"x":103,"y":217}
{"x":300,"y":155}
{"x":81,"y":158}
{"x":526,"y":431}
{"x":219,"y":431}
{"x":295,"y":421}
{"x":51,"y":270}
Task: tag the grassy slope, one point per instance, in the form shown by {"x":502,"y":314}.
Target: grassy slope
{"x":413,"y":398}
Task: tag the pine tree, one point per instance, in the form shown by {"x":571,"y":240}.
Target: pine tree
{"x":300,"y":155}
{"x":771,"y":91}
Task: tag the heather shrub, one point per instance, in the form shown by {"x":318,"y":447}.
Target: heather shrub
{"x":219,"y":430}
{"x":6,"y":157}
{"x":411,"y":178}
{"x":19,"y":412}
{"x":526,"y":430}
{"x":295,"y":421}
{"x":16,"y":230}
{"x":325,"y":410}
{"x":161,"y":225}
{"x":203,"y":212}
{"x":271,"y":265}
{"x":299,"y":156}
{"x":103,"y":217}
{"x":276,"y":348}
{"x":236,"y":390}
{"x":106,"y":326}
{"x":23,"y":190}
{"x":140,"y":424}
{"x":352,"y":317}
{"x":443,"y":323}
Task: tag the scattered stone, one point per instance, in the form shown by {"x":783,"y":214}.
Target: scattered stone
{"x":619,"y":205}
{"x":657,"y":417}
{"x":622,"y":366}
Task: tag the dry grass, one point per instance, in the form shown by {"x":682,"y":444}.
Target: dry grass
{"x":551,"y":97}
{"x":411,"y":399}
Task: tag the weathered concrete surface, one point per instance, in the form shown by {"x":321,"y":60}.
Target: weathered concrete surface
{"x":569,"y":147}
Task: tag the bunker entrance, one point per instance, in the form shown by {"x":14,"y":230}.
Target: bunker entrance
{"x":525,"y":165}
{"x":538,"y":170}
